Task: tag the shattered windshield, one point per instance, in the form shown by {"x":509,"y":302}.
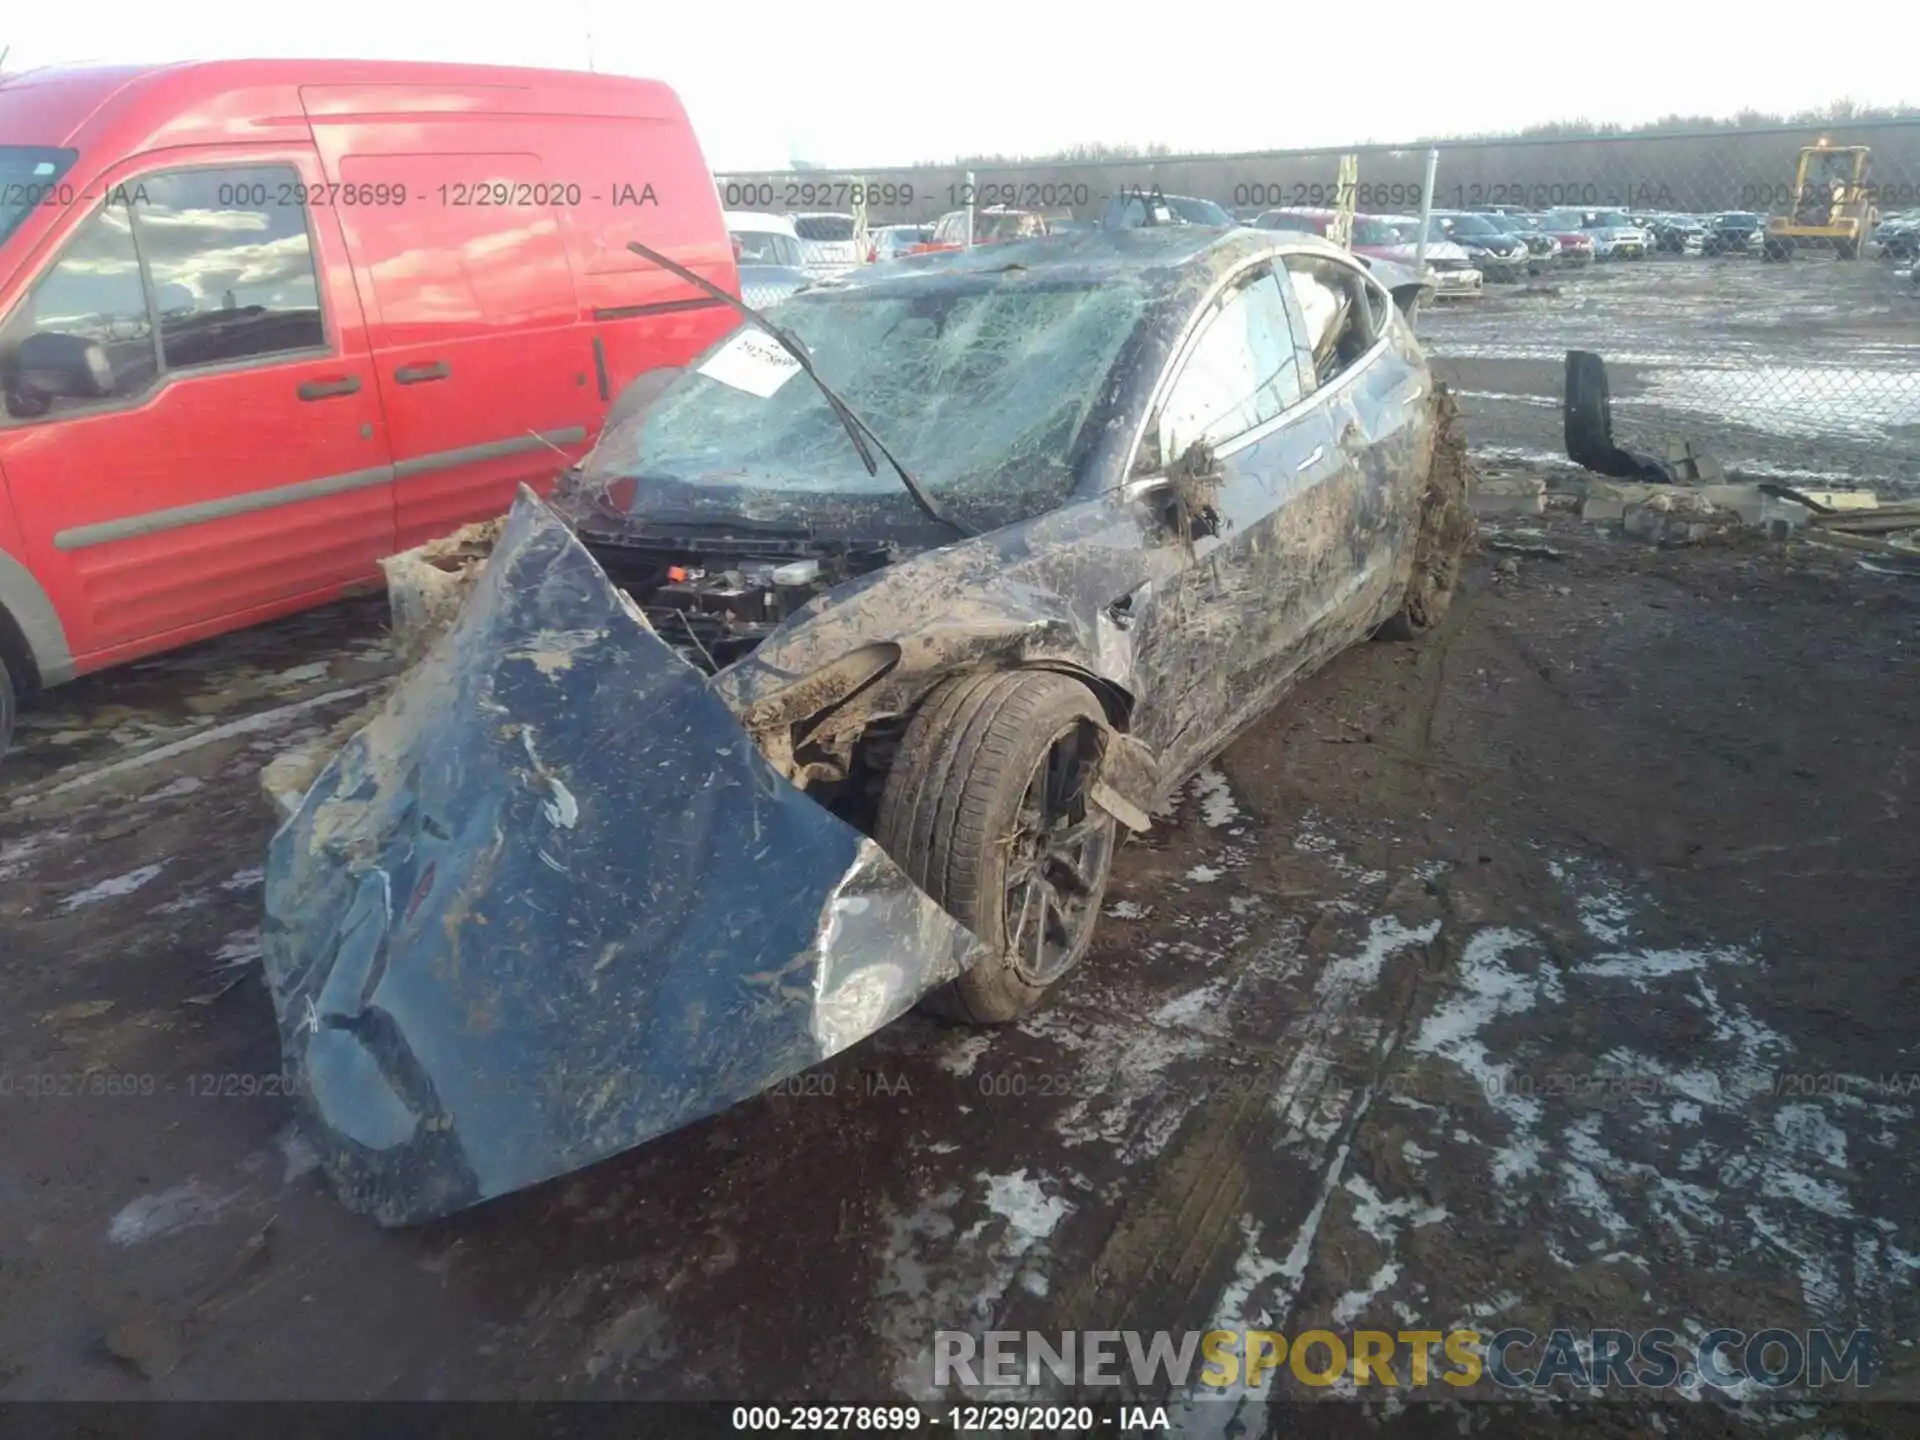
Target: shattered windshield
{"x":981,"y":387}
{"x":29,"y":178}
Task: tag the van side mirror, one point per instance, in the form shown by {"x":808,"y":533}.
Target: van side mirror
{"x":53,"y":366}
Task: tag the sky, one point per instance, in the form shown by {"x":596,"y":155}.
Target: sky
{"x":867,"y":84}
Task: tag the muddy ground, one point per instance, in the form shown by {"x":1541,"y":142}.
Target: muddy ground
{"x":1806,"y":372}
{"x":1558,"y":971}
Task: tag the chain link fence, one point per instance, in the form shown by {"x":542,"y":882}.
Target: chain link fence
{"x":1751,"y":288}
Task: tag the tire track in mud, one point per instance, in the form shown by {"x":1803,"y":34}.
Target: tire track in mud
{"x":1273,"y":1144}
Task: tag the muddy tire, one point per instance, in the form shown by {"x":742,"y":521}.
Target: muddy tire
{"x":1446,"y":533}
{"x":985,"y":808}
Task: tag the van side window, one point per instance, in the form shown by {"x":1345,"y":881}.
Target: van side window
{"x":90,"y":296}
{"x":230,"y":263}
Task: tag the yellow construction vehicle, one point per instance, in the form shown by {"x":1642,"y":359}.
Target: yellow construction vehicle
{"x":1831,"y":204}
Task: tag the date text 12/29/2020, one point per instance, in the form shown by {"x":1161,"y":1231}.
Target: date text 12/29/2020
{"x":959,"y":1419}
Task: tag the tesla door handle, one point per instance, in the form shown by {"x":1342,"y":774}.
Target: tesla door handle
{"x":420,"y":374}
{"x":1319,"y":454}
{"x":322,"y":389}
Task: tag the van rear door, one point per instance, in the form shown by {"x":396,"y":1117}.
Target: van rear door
{"x":236,"y":466}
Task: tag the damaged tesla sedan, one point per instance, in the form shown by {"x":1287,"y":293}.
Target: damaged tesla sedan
{"x":825,"y":685}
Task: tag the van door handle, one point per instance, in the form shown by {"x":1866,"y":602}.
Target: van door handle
{"x":322,"y":389}
{"x":420,"y":374}
{"x":1319,"y":454}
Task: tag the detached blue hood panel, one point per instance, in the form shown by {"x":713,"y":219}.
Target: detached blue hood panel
{"x":553,"y":902}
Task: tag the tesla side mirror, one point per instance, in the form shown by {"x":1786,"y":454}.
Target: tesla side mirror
{"x":1183,"y":494}
{"x":60,"y":367}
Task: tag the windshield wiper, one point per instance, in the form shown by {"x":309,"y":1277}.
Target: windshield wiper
{"x":855,"y":427}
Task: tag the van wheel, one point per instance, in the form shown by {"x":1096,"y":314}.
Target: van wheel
{"x":1446,"y":531}
{"x":8,"y":700}
{"x":986,"y":808}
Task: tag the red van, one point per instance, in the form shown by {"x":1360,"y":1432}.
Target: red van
{"x":263,"y":322}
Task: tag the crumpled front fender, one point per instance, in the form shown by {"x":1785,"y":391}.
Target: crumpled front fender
{"x":553,"y":902}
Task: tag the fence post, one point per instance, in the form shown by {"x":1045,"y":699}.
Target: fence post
{"x":1346,"y":193}
{"x":1426,"y":219}
{"x":1426,"y":211}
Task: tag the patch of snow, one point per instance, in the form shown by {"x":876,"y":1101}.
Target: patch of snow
{"x":178,"y":1207}
{"x":173,"y":790}
{"x":1217,"y":807}
{"x":114,"y":888}
{"x":960,"y":1056}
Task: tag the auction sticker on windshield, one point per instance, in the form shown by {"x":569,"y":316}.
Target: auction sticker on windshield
{"x":752,"y":361}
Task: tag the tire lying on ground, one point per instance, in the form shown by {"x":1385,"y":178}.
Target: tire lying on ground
{"x":986,"y":808}
{"x":1446,"y":534}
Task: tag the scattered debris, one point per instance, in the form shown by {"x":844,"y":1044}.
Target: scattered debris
{"x":1677,"y":517}
{"x":154,"y":1344}
{"x":1508,"y":495}
{"x":1587,"y":414}
{"x":1532,"y":549}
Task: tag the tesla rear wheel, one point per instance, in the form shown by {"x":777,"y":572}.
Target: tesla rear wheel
{"x":986,"y":808}
{"x":1445,"y":535}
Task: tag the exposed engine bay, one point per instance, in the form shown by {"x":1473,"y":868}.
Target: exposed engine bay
{"x":714,"y":602}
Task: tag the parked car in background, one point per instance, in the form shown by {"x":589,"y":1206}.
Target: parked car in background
{"x":1370,"y":236}
{"x":767,"y":254}
{"x":1678,"y":234}
{"x":1496,"y":253}
{"x":1614,"y":235}
{"x":1543,"y":250}
{"x":829,"y":242}
{"x":992,"y":225}
{"x":890,"y":242}
{"x":289,"y":326}
{"x":1897,"y":237}
{"x":1454,"y":273}
{"x":1130,"y":208}
{"x":1735,"y":232}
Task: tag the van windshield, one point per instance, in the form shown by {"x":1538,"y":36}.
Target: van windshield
{"x":31,"y":177}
